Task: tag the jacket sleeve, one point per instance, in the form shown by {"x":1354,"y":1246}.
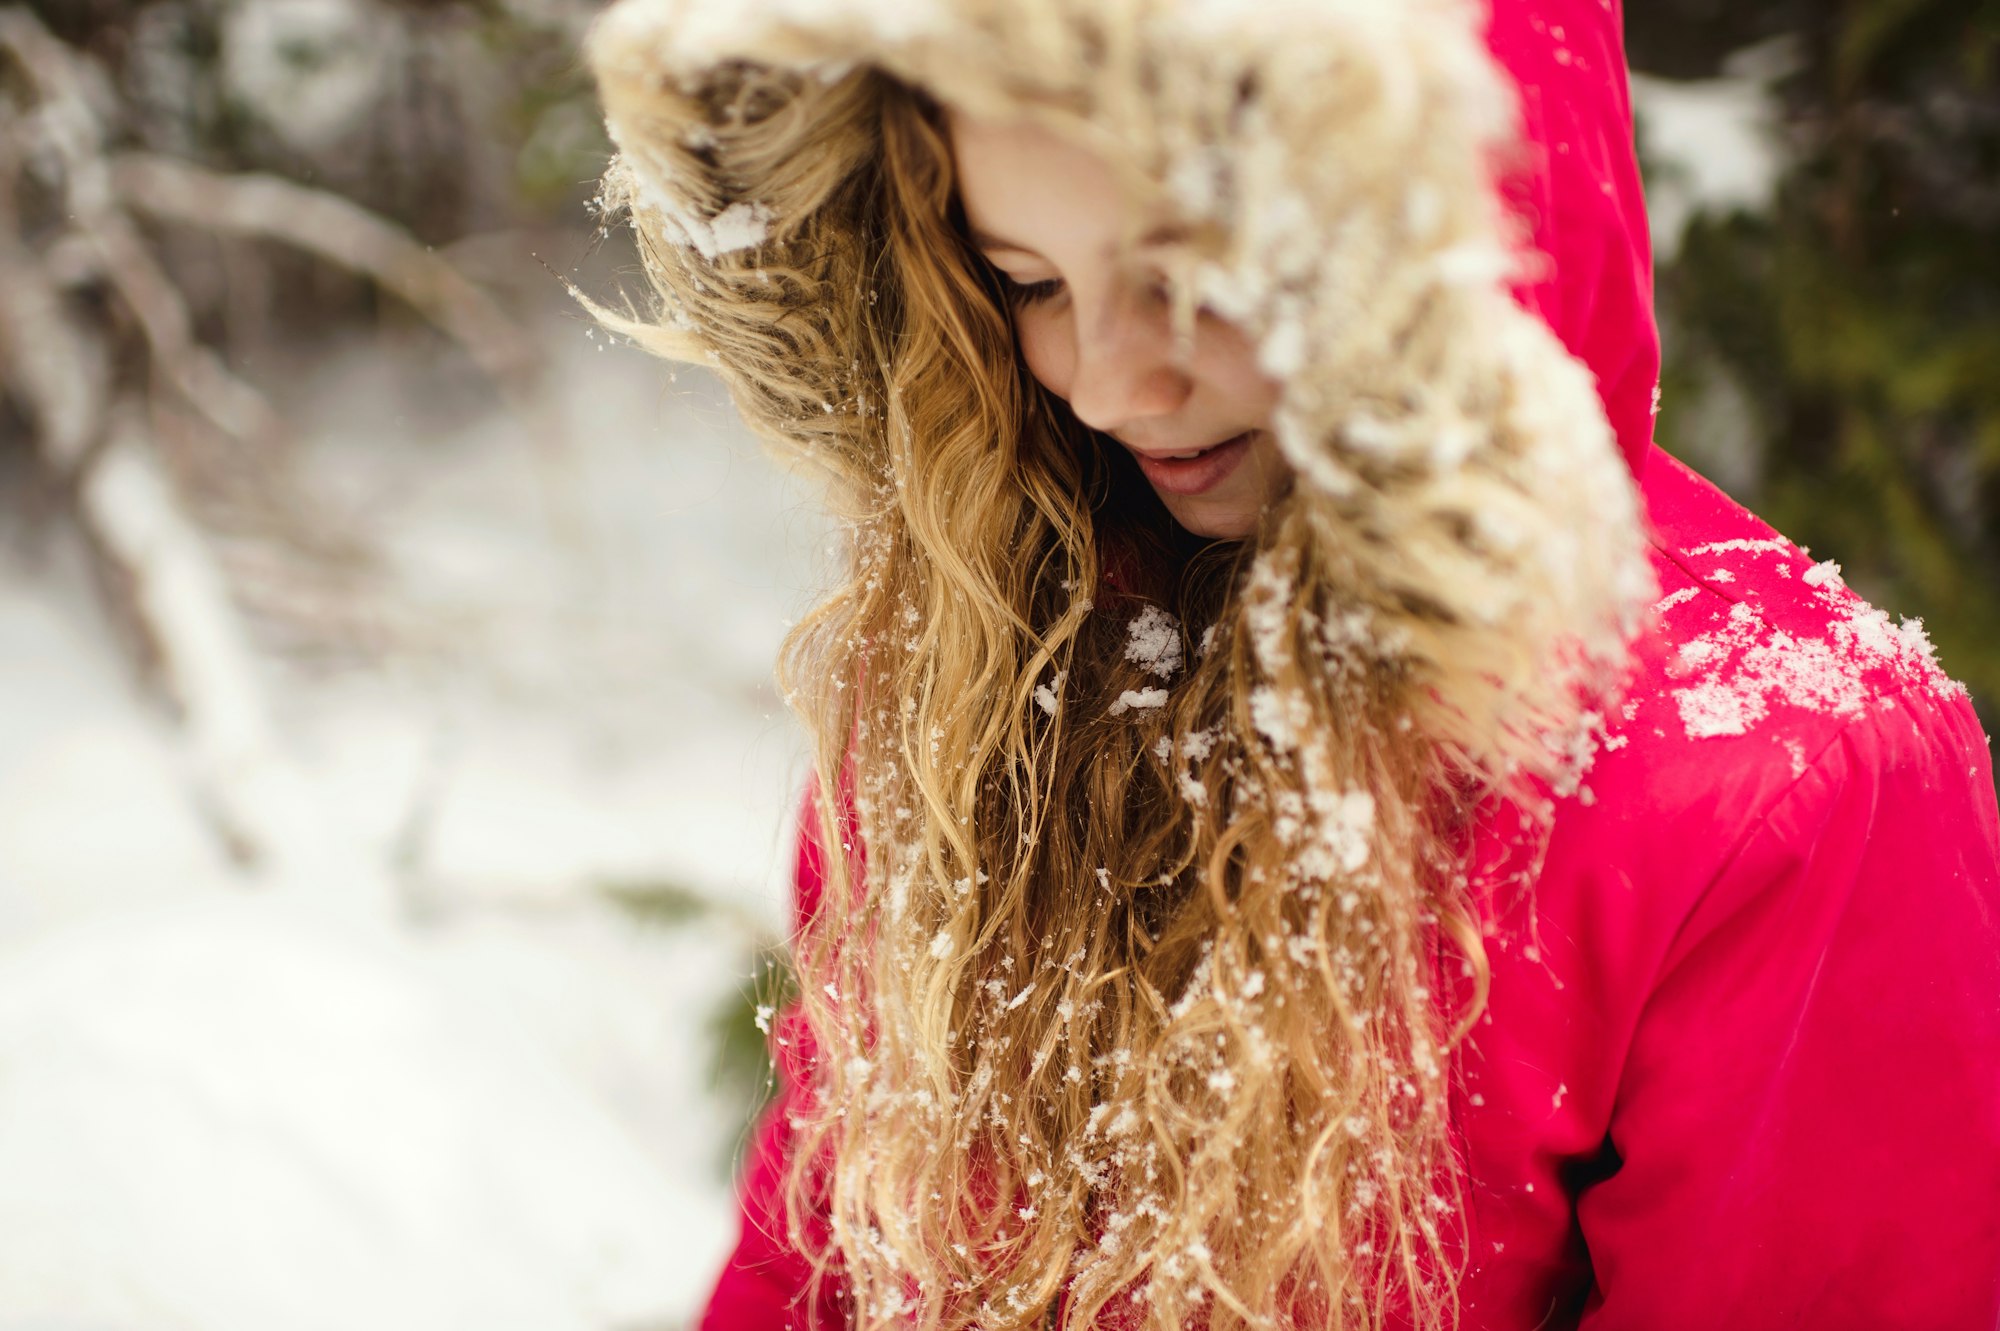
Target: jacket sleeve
{"x":767,"y":1284}
{"x":1808,"y":1126}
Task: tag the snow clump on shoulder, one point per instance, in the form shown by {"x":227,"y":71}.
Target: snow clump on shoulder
{"x":1738,"y":672}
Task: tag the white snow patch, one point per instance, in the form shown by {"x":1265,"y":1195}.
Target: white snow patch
{"x":1048,"y":696}
{"x":1741,"y":545}
{"x":1281,"y":716}
{"x":1740,"y":671}
{"x":242,"y":1116}
{"x":1153,"y":642}
{"x":740,"y":226}
{"x":1672,"y":599}
{"x":1714,"y":145}
{"x":1138,"y":700}
{"x":491,"y":1110}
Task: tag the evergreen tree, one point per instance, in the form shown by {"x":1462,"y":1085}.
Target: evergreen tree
{"x":1853,"y":331}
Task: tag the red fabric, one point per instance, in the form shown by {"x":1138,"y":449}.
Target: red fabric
{"x":1741,"y":1062}
{"x":768,"y":1285}
{"x":1742,"y":1066}
{"x":1579,"y":193}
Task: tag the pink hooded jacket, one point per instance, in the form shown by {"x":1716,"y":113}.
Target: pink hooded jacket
{"x":1741,"y":1062}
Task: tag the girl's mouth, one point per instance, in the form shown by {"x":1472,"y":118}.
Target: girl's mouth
{"x":1195,"y":472}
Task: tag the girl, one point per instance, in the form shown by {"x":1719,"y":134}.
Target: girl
{"x":1320,"y":823}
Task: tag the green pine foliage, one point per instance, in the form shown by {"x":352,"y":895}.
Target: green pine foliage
{"x":1836,"y":362}
{"x":741,"y":1070}
{"x":744,"y":1074}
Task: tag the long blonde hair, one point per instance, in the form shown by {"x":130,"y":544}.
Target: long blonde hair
{"x":1147,"y":939}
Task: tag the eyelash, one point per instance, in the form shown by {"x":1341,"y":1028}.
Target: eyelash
{"x":1031,"y":293}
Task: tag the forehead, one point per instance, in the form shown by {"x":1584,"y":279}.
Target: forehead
{"x":1024,"y":187}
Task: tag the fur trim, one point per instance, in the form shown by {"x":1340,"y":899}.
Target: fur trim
{"x":1334,"y":160}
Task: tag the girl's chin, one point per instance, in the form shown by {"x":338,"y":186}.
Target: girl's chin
{"x":1217,"y":519}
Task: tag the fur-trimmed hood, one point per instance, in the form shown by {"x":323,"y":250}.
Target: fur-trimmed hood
{"x":1384,"y":204}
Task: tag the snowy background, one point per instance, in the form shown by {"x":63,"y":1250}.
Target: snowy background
{"x":385,"y":955}
{"x":445,"y":1075}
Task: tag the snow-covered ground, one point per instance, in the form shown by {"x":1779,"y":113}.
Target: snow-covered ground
{"x":470,"y":1091}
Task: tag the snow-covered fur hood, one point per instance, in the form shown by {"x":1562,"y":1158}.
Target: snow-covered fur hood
{"x":1346,"y":169}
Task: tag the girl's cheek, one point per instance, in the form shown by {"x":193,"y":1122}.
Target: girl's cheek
{"x":1044,"y":346}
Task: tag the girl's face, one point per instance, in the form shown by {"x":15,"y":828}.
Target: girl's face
{"x":1097,"y":331}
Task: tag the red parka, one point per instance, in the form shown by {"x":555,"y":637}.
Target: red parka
{"x":1740,"y":1067}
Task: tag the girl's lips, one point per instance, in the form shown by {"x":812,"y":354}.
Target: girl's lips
{"x":1198,"y":474}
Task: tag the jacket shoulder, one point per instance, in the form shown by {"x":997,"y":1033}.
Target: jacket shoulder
{"x":1754,"y":664}
{"x":1754,"y":654}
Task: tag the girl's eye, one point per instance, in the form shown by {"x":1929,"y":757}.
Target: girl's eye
{"x":1030,"y":293}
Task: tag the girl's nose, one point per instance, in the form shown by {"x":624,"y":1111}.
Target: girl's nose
{"x":1125,"y":367}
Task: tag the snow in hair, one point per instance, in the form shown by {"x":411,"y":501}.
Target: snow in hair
{"x":1132,"y":992}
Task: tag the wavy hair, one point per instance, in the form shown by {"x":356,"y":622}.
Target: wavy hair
{"x":1140,"y":969}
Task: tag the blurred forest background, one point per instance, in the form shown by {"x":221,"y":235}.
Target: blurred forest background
{"x":1832,"y":328}
{"x":341,"y":558}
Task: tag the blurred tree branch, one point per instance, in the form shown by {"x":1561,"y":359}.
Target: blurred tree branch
{"x":79,"y":278}
{"x":338,"y":231}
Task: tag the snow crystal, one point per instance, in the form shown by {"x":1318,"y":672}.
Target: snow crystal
{"x":740,"y":226}
{"x":1797,"y":752}
{"x":1268,"y":593}
{"x":1341,"y":827}
{"x":1280,"y":717}
{"x":1739,"y":544}
{"x":1138,"y":699}
{"x":1200,"y":743}
{"x":1153,"y":641}
{"x":1681,"y":597}
{"x":1712,"y":709}
{"x":1048,"y":697}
